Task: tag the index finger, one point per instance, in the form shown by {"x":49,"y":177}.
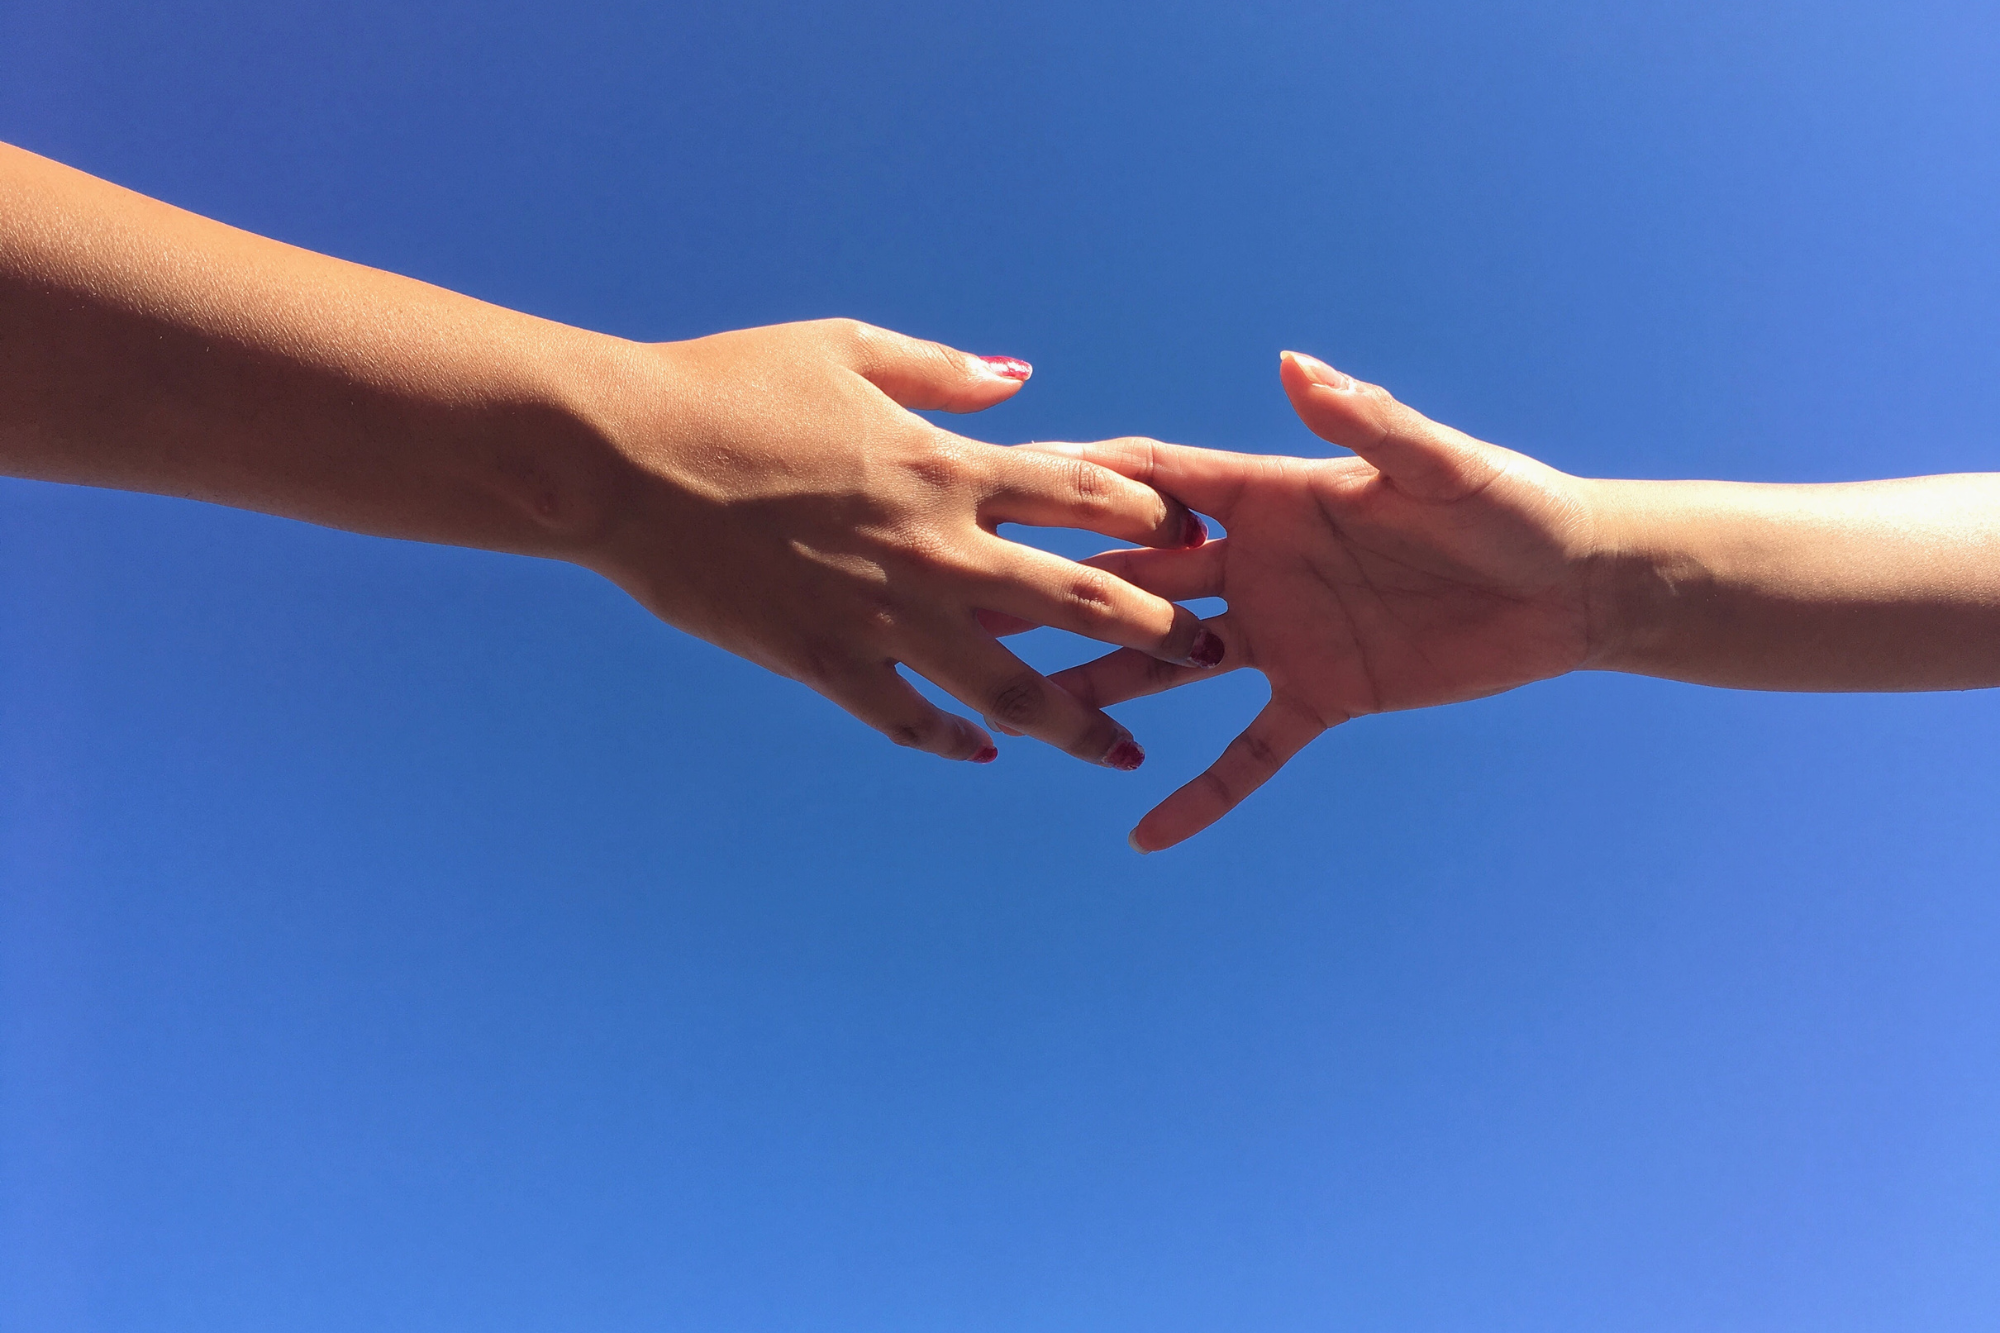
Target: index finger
{"x":1047,"y":490}
{"x":1281,"y":730}
{"x":1211,"y":480}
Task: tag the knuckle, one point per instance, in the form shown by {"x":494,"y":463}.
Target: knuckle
{"x":1257,"y":750}
{"x":913,"y":733}
{"x":1021,"y":700}
{"x":1090,"y":486}
{"x":937,"y":468}
{"x":820,"y":663}
{"x":879,"y":616}
{"x":1140,"y":454}
{"x":944,"y":358}
{"x":940,"y":462}
{"x":930,"y":472}
{"x":856,"y":339}
{"x":1089,"y":594}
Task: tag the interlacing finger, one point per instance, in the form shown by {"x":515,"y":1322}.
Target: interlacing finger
{"x":1044,"y":589}
{"x":1178,"y":576}
{"x":1130,"y":674}
{"x":1210,"y":480}
{"x":1281,"y":730}
{"x":879,"y":696}
{"x":1050,"y":491}
{"x":974,"y":669}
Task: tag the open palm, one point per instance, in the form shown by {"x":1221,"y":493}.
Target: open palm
{"x":1429,"y":569}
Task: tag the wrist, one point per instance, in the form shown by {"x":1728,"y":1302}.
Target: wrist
{"x":1635,"y":577}
{"x":568,"y":466}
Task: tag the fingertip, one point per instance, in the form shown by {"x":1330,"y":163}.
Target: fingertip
{"x":977,"y":393}
{"x":1148,"y":837}
{"x":1011,"y":369}
{"x":930,"y":376}
{"x":993,"y":381}
{"x":1125,"y":755}
{"x":1332,"y":405}
{"x":1309,"y":372}
{"x":977,"y":746}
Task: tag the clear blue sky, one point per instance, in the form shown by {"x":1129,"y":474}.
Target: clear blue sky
{"x":401,"y":937}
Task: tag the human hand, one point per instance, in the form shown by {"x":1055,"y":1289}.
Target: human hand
{"x":1430,"y":569}
{"x":777,"y":499}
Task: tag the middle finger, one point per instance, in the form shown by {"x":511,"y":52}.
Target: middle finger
{"x":1051,"y":491}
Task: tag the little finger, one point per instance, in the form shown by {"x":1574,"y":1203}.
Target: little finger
{"x":881,"y":697}
{"x":974,"y":669}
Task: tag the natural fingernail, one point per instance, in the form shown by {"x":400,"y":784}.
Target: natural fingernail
{"x":1320,"y":373}
{"x":1125,"y":756}
{"x":1132,"y":841}
{"x":1196,"y":531}
{"x":986,"y":755}
{"x":1007,"y":367}
{"x":1207,"y":649}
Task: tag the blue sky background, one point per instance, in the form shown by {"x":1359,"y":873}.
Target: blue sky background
{"x":402,"y":937}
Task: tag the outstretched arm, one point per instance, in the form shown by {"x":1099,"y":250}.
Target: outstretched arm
{"x":765,"y":489}
{"x":1433,"y":568}
{"x":1875,"y":585}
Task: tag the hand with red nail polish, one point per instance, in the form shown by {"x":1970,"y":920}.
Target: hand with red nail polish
{"x":768,"y":489}
{"x":785,"y":503}
{"x":1431,"y":568}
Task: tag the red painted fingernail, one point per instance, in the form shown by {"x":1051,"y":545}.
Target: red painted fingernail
{"x":986,"y":756}
{"x":1007,"y":367}
{"x":1207,"y":650}
{"x":1125,"y":756}
{"x":1196,"y":531}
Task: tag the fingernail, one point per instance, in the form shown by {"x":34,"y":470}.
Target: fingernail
{"x":1007,"y":367}
{"x":986,"y":756}
{"x":1320,"y":373}
{"x":1132,"y":841}
{"x":1124,"y":756}
{"x":1207,"y":649}
{"x":1196,"y":531}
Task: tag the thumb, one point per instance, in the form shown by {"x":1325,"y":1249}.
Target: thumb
{"x":931,"y":376}
{"x":1419,"y":457}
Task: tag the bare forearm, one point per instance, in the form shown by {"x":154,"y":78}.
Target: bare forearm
{"x":1890,"y":585}
{"x":146,"y":348}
